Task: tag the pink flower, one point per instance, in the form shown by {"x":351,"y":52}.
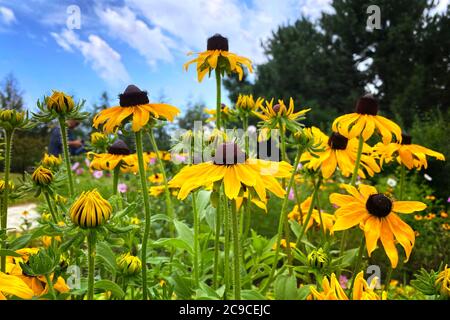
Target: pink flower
{"x":343,"y":281}
{"x":97,"y":174}
{"x":179,"y":158}
{"x":79,"y":171}
{"x":299,"y":166}
{"x":291,"y":194}
{"x":88,"y":163}
{"x":122,"y":187}
{"x":448,"y":200}
{"x":152,"y":161}
{"x":75,"y":166}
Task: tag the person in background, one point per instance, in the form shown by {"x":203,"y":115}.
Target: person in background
{"x":76,"y":146}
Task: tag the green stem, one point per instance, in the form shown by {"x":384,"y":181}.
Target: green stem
{"x":142,"y":176}
{"x":283,"y":217}
{"x":388,"y":278}
{"x":217,"y":242}
{"x":50,"y":286}
{"x":169,"y":206}
{"x":62,"y":126}
{"x":357,"y":263}
{"x":91,"y":258}
{"x":218,"y":100}
{"x":310,"y":210}
{"x":236,"y":252}
{"x":226,"y":221}
{"x":196,"y":240}
{"x":4,"y":208}
{"x":50,"y":207}
{"x":116,"y":173}
{"x":402,"y":181}
{"x":358,"y":160}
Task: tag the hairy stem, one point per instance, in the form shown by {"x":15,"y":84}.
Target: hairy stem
{"x":62,"y":127}
{"x":4,"y":208}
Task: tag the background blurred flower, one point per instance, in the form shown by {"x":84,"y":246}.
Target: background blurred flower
{"x":122,"y":187}
{"x":97,"y":174}
{"x":75,"y":166}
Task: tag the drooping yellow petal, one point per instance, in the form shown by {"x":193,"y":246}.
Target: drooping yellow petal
{"x":408,"y":206}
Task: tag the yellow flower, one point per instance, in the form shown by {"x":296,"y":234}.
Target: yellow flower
{"x":118,"y":155}
{"x":444,"y":214}
{"x":231,"y":167}
{"x":11,"y":285}
{"x":271,"y":113}
{"x":47,"y":240}
{"x":129,"y":264}
{"x":42,"y":176}
{"x":365,"y":120}
{"x":11,"y":119}
{"x":135,"y":221}
{"x":156,"y":178}
{"x":418,"y":217}
{"x":328,"y":219}
{"x":317,"y":258}
{"x":410,"y":155}
{"x":2,"y":185}
{"x":338,"y":151}
{"x":46,"y":216}
{"x":156,"y":191}
{"x":50,"y":161}
{"x":135,"y":107}
{"x":446,"y":226}
{"x":247,"y":103}
{"x":218,"y":57}
{"x":283,"y":244}
{"x":90,"y":210}
{"x":98,"y":138}
{"x":377,"y":215}
{"x":332,"y":290}
{"x":59,"y":102}
{"x":260,"y":204}
{"x":443,"y":282}
{"x":225,"y":113}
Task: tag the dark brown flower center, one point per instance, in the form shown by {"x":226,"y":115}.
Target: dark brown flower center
{"x":119,"y":147}
{"x":276,"y":108}
{"x":406,"y":138}
{"x":337,"y":141}
{"x":229,"y":153}
{"x":217,"y":42}
{"x":367,"y":105}
{"x":133,"y":96}
{"x":379,"y":205}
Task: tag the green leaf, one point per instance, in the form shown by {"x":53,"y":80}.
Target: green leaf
{"x":202,"y":198}
{"x":6,"y":253}
{"x":176,"y":243}
{"x":252,"y":295}
{"x":107,"y":285}
{"x":286,"y":287}
{"x":106,"y":255}
{"x":184,"y":232}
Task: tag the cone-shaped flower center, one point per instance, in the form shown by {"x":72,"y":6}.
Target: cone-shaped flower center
{"x":276,"y":108}
{"x":119,"y":147}
{"x":133,"y":96}
{"x":406,"y":138}
{"x":217,"y":42}
{"x":229,"y":153}
{"x":367,"y":105}
{"x":379,"y":205}
{"x":337,"y":141}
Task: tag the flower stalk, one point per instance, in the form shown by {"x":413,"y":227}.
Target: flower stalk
{"x":4,"y":209}
{"x":50,"y":207}
{"x":91,"y":238}
{"x":62,"y":126}
{"x":218,"y":100}
{"x":196,"y":240}
{"x":116,"y":173}
{"x":236,"y":252}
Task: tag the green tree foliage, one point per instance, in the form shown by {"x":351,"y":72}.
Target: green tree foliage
{"x":194,"y":112}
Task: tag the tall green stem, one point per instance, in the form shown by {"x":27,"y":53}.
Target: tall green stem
{"x":218,"y":100}
{"x":218,"y":223}
{"x":402,"y":181}
{"x":236,"y":252}
{"x":116,"y":173}
{"x":4,"y":208}
{"x":142,"y":176}
{"x":91,"y":260}
{"x":50,"y":207}
{"x":310,"y":210}
{"x":62,"y":126}
{"x":169,"y":206}
{"x":388,"y":278}
{"x":196,"y":240}
{"x":283,"y":217}
{"x":51,"y":290}
{"x":226,"y":249}
{"x":246,"y":216}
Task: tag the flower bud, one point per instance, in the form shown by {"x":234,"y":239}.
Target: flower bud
{"x":42,"y":176}
{"x":60,"y":102}
{"x":98,"y":138}
{"x":90,"y":210}
{"x":129,"y":264}
{"x":50,"y":161}
{"x":3,"y":186}
{"x":317,"y":259}
{"x":443,"y":282}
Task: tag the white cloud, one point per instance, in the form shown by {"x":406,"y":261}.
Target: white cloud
{"x":105,"y":61}
{"x":7,"y":16}
{"x":150,"y":43}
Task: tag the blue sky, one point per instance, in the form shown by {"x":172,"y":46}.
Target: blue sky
{"x":143,"y":42}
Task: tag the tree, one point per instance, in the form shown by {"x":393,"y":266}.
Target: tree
{"x":10,"y":93}
{"x":194,"y":112}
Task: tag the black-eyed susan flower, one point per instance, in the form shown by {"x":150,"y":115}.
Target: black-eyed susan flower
{"x":231,"y":166}
{"x":3,"y":185}
{"x":406,"y":153}
{"x":443,"y":282}
{"x":365,"y":120}
{"x":274,"y":115}
{"x":247,"y":103}
{"x":42,"y":176}
{"x":60,"y":102}
{"x":11,"y":119}
{"x":51,"y":161}
{"x":318,"y":258}
{"x":118,"y":155}
{"x":378,"y":217}
{"x":283,"y":244}
{"x":338,"y":152}
{"x":332,"y":290}
{"x":156,"y":178}
{"x":327,"y":219}
{"x":11,"y":285}
{"x":135,"y":107}
{"x":90,"y":210}
{"x":226,"y":114}
{"x":129,"y":264}
{"x":218,"y":57}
